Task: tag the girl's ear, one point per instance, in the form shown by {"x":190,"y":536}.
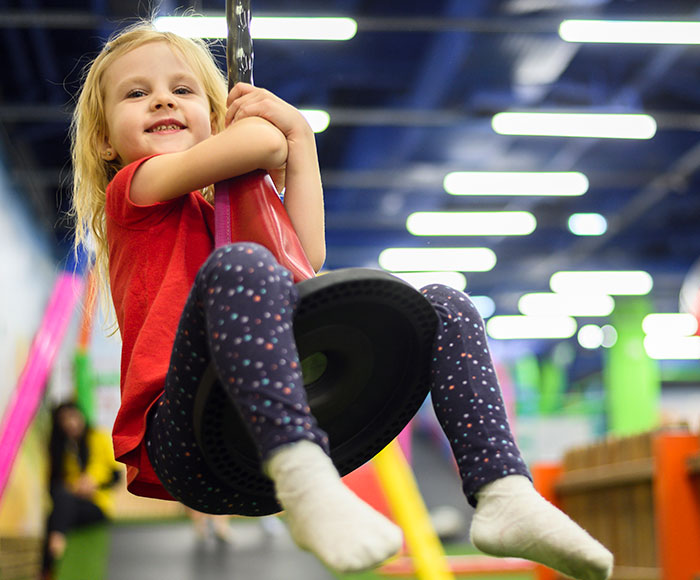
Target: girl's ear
{"x":107,"y":152}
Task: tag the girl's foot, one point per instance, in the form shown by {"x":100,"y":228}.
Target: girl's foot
{"x":324,"y":516}
{"x":512,"y":519}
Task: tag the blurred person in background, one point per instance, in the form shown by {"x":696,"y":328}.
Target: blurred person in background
{"x":204,"y":524}
{"x":83,"y":473}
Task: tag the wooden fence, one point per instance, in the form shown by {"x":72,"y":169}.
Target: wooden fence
{"x":640,"y":496}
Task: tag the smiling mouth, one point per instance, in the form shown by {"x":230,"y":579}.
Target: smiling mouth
{"x":164,"y":128}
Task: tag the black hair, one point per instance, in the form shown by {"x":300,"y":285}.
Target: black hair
{"x":58,"y":442}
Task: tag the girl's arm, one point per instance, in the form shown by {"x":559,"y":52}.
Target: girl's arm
{"x":303,"y":197}
{"x":245,"y":146}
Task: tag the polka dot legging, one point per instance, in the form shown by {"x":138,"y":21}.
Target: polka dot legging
{"x":239,"y":314}
{"x":466,"y":396}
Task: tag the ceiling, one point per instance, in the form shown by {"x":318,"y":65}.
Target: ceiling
{"x":411,"y":98}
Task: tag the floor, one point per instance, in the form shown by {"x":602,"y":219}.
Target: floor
{"x":262,"y":550}
{"x":174,"y":552}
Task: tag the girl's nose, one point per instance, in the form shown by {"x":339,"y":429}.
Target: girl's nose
{"x":162,"y":100}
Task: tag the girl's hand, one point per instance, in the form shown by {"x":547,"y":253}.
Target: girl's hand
{"x":300,"y":175}
{"x":245,"y":100}
{"x":85,"y":487}
{"x":279,"y":177}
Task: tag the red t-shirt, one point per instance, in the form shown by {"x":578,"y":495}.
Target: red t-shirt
{"x":155,"y":252}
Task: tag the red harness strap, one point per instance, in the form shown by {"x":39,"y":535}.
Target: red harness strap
{"x":248,"y":209}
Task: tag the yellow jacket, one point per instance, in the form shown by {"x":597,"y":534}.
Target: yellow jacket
{"x":101,"y":468}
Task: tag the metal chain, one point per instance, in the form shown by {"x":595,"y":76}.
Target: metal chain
{"x":239,"y":47}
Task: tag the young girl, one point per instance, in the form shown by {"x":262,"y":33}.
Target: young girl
{"x":153,"y":128}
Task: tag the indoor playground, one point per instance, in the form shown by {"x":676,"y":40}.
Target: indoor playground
{"x":542,"y":156}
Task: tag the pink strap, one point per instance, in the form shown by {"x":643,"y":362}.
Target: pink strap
{"x":26,"y":397}
{"x":222,"y":214}
{"x":248,"y":209}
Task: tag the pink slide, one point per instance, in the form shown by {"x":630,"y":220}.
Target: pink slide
{"x":31,"y":384}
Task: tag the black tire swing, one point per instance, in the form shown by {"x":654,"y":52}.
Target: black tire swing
{"x":364,"y":337}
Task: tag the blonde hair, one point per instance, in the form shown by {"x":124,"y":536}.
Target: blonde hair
{"x":91,"y":173}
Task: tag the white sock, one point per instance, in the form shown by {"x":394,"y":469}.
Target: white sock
{"x":512,"y":519}
{"x":324,"y":516}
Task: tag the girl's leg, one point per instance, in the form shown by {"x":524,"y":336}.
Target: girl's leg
{"x":69,"y":511}
{"x":511,"y":518}
{"x":239,"y":314}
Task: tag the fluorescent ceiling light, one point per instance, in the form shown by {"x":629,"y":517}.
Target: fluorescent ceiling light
{"x":303,"y":28}
{"x":471,"y":223}
{"x":609,"y":335}
{"x":432,"y":259}
{"x":455,"y":280}
{"x":569,"y":183}
{"x":193,"y":26}
{"x":317,"y":119}
{"x":670,"y":324}
{"x":261,"y":27}
{"x":596,"y":125}
{"x":484,"y":304}
{"x":677,"y":348}
{"x":630,"y":31}
{"x":590,"y":336}
{"x":548,"y":303}
{"x":602,"y":282}
{"x":517,"y":327}
{"x":587,"y":224}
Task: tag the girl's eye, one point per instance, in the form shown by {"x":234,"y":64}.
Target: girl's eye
{"x":182,"y":91}
{"x":135,"y":94}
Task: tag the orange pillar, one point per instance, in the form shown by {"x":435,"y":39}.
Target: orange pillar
{"x":83,"y":372}
{"x":677,"y":506}
{"x":89,"y":305}
{"x":545,"y":477}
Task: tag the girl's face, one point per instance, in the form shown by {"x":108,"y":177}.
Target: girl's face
{"x":72,"y":422}
{"x":154,"y":103}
